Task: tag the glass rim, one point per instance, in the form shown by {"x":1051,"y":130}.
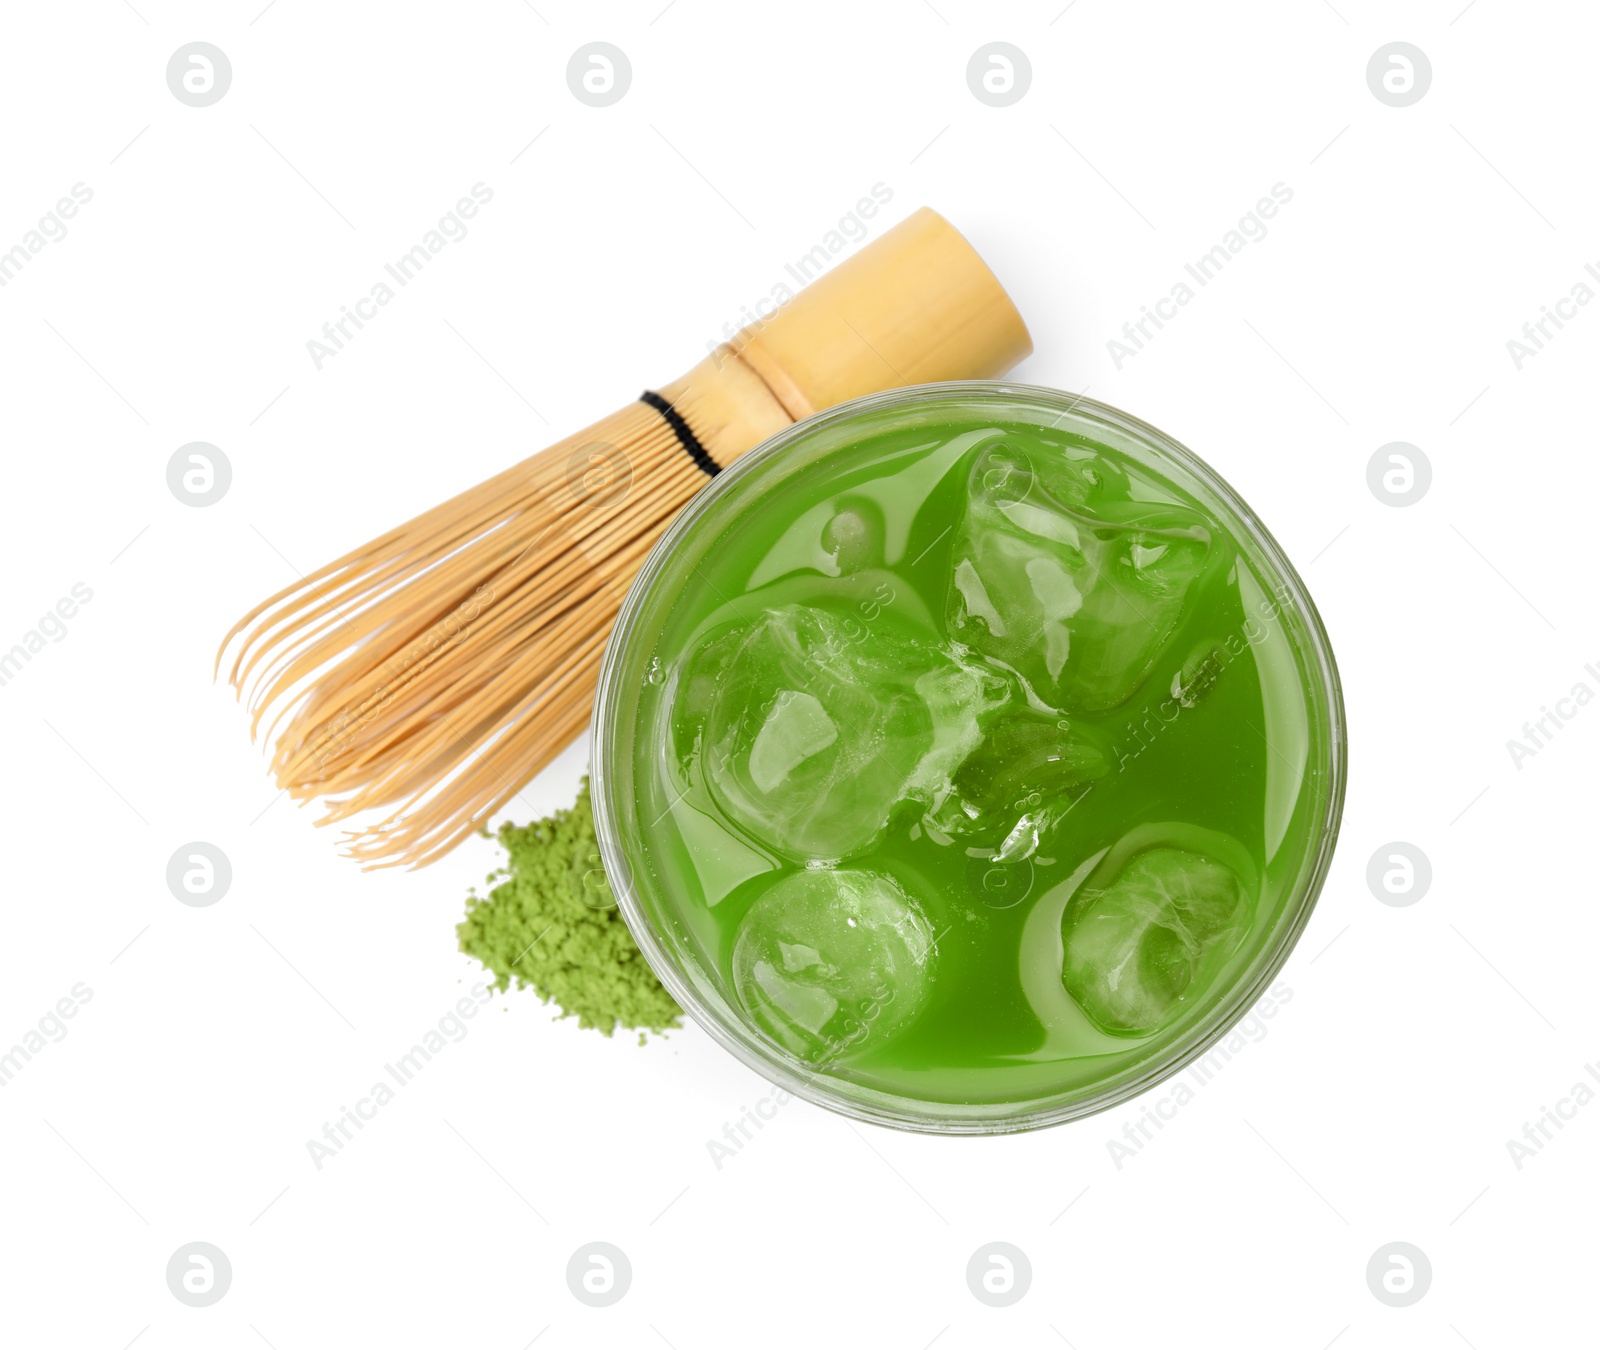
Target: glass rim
{"x":873,"y":1105}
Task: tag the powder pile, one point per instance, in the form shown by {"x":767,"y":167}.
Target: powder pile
{"x":551,"y":924}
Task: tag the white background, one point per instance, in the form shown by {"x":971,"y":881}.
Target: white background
{"x":1417,"y":1040}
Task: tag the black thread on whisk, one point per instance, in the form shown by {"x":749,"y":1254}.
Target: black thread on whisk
{"x":686,"y":438}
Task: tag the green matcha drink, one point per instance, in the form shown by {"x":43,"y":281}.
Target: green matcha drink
{"x":968,"y":758}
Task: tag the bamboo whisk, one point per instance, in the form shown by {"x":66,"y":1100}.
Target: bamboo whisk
{"x":435,"y":670}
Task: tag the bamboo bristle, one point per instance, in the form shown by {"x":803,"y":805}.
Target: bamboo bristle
{"x":434,"y":671}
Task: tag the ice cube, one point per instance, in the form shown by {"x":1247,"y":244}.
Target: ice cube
{"x":815,"y":726}
{"x":797,"y":727}
{"x":959,"y":695}
{"x":831,"y":959}
{"x":1137,"y":947}
{"x":1073,"y":586}
{"x":1010,"y":792}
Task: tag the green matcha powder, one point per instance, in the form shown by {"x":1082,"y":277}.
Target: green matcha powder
{"x":551,"y":924}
